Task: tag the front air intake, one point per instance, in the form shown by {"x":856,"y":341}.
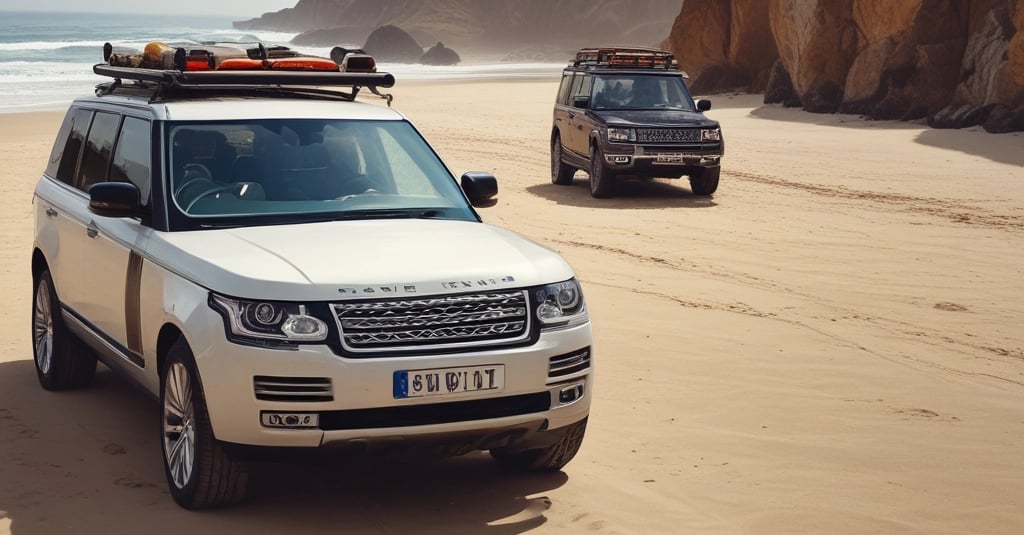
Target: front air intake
{"x":292,"y":389}
{"x":569,"y":365}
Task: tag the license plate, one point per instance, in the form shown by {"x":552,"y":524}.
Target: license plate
{"x":448,"y":381}
{"x":670,"y":158}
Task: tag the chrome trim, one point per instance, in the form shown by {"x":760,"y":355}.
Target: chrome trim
{"x":521,"y":311}
{"x":88,"y":333}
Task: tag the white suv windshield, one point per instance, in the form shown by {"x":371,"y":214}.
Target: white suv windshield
{"x":332,"y":169}
{"x":626,"y":92}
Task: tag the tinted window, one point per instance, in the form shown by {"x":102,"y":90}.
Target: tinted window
{"x":563,"y":90}
{"x":78,"y":128}
{"x":96,"y":155}
{"x":581,"y":87}
{"x":640,"y":92}
{"x":132,"y":157}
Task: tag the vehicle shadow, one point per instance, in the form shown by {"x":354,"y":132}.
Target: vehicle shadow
{"x":633,"y":193}
{"x":89,"y":461}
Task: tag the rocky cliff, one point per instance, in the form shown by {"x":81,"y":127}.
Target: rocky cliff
{"x":954,"y":62}
{"x":487,"y":24}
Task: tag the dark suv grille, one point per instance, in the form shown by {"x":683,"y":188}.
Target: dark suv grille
{"x":667,"y":135}
{"x":463,"y":319}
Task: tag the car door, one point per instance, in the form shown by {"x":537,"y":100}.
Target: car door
{"x":579,"y":123}
{"x":118,"y":150}
{"x":561,"y":115}
{"x":59,"y":205}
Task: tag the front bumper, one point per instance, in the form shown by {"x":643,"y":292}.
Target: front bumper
{"x":669,"y":161}
{"x":362,"y":408}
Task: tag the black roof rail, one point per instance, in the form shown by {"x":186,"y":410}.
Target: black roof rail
{"x":239,"y":82}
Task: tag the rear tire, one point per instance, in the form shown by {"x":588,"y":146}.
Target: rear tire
{"x":561,"y":173}
{"x":602,"y":180}
{"x":549,"y":459}
{"x":705,"y":182}
{"x":62,"y":361}
{"x":200,"y":472}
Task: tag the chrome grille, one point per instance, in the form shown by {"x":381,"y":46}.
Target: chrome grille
{"x":667,"y":135}
{"x":445,"y":321}
{"x":292,"y":388}
{"x":570,"y":364}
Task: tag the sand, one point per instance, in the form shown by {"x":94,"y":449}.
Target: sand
{"x":834,"y":343}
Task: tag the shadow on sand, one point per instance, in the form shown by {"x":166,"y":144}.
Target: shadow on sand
{"x":89,"y":461}
{"x":645,"y":194}
{"x":1001,"y":148}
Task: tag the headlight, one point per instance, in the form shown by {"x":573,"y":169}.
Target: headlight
{"x":621,"y":134}
{"x":713,"y":134}
{"x":560,"y":305}
{"x":269,"y":320}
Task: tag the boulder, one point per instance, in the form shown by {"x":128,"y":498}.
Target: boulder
{"x":391,"y":44}
{"x":985,"y":60}
{"x":780,"y":88}
{"x":817,"y":43}
{"x":331,"y":36}
{"x":440,"y":55}
{"x":959,"y":116}
{"x":1015,"y":53}
{"x":724,"y":45}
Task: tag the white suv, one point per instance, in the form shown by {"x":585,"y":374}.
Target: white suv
{"x":282,"y":269}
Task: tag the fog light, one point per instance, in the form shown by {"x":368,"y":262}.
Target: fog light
{"x":570,"y":394}
{"x":290,"y":420}
{"x":621,"y":159}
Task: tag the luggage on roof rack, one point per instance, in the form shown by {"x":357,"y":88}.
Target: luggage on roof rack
{"x":625,"y":57}
{"x":166,"y":70}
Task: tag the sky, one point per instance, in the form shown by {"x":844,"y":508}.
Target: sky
{"x":233,"y":8}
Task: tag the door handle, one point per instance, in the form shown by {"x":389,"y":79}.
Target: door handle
{"x":572,"y":115}
{"x":50,"y":212}
{"x":92,"y":230}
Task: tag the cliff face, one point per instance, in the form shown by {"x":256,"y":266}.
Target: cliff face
{"x":954,"y":62}
{"x":487,"y":24}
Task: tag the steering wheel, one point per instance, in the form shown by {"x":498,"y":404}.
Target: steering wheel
{"x":197,"y":172}
{"x":207,"y":193}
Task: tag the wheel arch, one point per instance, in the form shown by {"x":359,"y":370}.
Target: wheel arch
{"x":39,"y":264}
{"x":169,"y":334}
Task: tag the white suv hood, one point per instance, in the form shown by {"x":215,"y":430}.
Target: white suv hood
{"x":358,"y":259}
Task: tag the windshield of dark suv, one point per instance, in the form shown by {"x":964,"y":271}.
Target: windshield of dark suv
{"x":636,"y":91}
{"x":297,"y":170}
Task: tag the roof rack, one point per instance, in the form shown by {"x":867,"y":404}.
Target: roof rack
{"x":167,"y":82}
{"x":625,"y":57}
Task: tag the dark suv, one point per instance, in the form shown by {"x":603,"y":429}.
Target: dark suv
{"x":627,"y":113}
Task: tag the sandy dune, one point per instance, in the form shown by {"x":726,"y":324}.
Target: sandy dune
{"x":832,"y":344}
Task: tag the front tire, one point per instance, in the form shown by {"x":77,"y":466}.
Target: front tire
{"x":62,"y":361}
{"x":705,"y":182}
{"x":200,"y":473}
{"x":549,"y":459}
{"x":561,"y":173}
{"x":602,"y":180}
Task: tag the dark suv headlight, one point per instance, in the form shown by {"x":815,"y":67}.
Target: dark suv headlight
{"x":559,"y":305}
{"x":269,"y":321}
{"x":621,"y":135}
{"x":711,"y":134}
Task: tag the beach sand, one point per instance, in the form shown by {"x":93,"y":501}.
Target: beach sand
{"x":834,"y":343}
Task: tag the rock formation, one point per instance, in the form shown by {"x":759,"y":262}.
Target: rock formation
{"x":487,"y":25}
{"x":953,"y":62}
{"x":391,"y":44}
{"x":440,"y":55}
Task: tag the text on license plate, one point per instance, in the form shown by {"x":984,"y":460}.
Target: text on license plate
{"x":670,"y":158}
{"x":446,"y":381}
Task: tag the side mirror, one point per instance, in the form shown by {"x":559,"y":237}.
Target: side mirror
{"x":581,"y":102}
{"x":481,"y":188}
{"x":115,"y":199}
{"x":703,"y":104}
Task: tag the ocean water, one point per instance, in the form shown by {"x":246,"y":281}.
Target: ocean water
{"x":46,"y":59}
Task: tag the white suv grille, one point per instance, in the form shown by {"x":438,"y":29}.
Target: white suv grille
{"x":436,"y":322}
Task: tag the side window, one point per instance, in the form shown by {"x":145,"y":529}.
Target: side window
{"x":131,"y":157}
{"x":98,"y":146}
{"x":563,"y":90}
{"x":581,"y":86}
{"x":72,"y":148}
